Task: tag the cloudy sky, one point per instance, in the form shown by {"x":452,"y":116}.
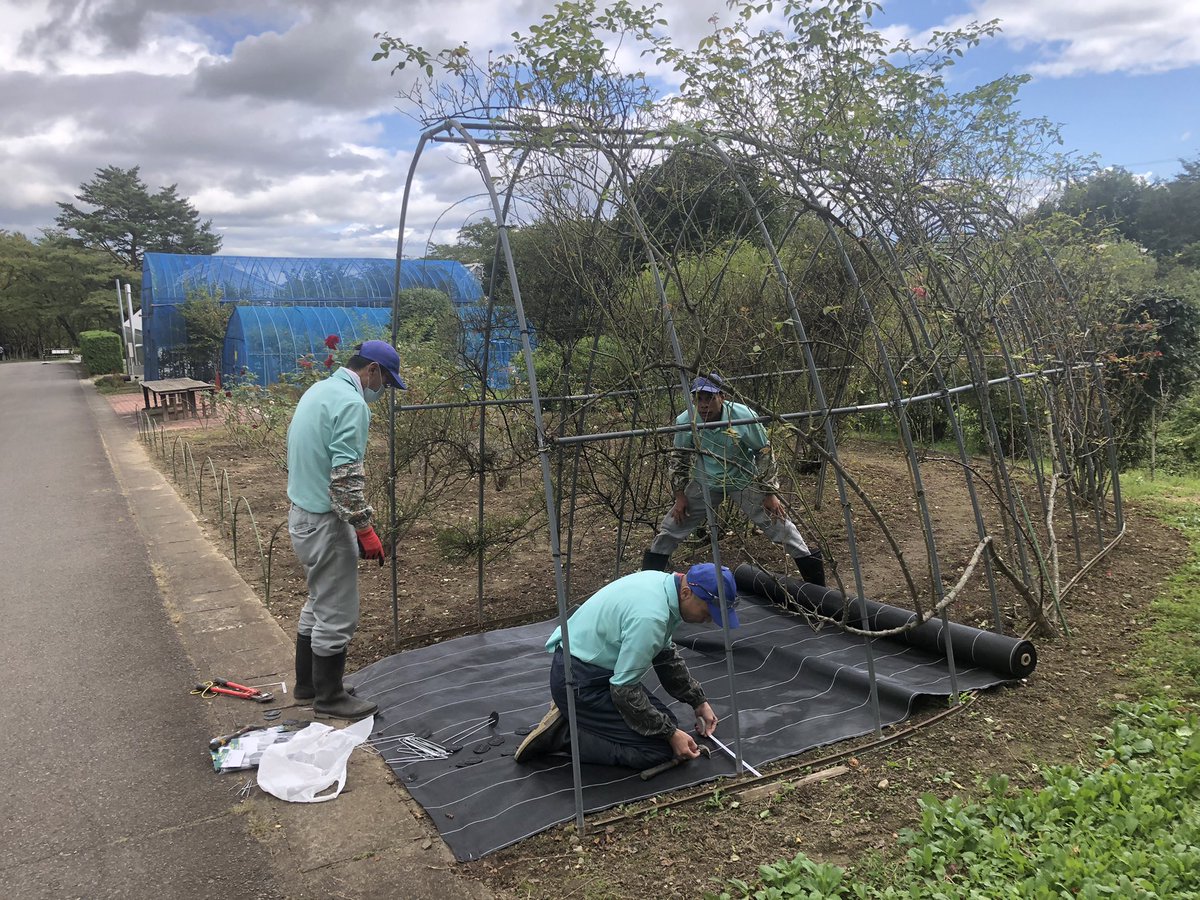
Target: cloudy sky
{"x":271,"y":117}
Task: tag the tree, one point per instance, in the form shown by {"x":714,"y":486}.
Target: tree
{"x":1154,"y":364}
{"x":1112,"y":197}
{"x":689,"y":202}
{"x":52,"y":289}
{"x":128,"y":220}
{"x":427,"y":316}
{"x":1162,"y":216}
{"x":205,"y":317}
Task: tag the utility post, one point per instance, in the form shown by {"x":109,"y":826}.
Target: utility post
{"x":127,"y":343}
{"x":133,"y":345}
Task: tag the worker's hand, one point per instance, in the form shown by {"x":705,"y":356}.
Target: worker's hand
{"x":774,"y":507}
{"x":679,"y":509}
{"x":369,"y":545}
{"x":683,"y":746}
{"x":706,"y":720}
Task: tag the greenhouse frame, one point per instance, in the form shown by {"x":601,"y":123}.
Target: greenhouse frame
{"x":286,"y":306}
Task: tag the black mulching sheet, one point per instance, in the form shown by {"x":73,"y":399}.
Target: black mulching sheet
{"x":797,"y":689}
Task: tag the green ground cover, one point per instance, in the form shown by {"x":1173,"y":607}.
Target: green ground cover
{"x":1126,"y":825}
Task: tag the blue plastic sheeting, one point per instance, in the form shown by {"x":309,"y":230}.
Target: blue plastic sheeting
{"x":266,"y":342}
{"x":169,"y":278}
{"x":269,"y":341}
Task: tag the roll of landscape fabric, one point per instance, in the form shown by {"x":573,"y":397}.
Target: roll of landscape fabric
{"x":1004,"y":655}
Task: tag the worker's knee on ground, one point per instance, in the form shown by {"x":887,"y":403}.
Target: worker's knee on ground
{"x":598,"y":750}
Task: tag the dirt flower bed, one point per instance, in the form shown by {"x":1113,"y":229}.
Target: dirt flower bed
{"x":688,"y":849}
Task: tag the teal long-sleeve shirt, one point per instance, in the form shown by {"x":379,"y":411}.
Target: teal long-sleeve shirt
{"x":328,"y":430}
{"x":625,"y":625}
{"x":728,"y":457}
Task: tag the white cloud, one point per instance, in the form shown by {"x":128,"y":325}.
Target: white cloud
{"x":1078,"y":37}
{"x":272,"y":118}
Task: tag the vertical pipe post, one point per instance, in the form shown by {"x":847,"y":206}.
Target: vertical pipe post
{"x":121,"y":322}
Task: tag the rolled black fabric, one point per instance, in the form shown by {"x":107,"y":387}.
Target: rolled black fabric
{"x":1008,"y":656}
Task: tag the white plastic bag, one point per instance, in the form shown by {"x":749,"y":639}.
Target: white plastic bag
{"x":311,"y":762}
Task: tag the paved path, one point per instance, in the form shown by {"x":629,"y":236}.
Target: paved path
{"x":105,"y":786}
{"x":114,"y":600}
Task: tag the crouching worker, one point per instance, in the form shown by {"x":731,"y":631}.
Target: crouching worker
{"x":616,"y":636}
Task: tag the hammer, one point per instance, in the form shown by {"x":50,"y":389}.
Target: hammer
{"x":647,"y":774}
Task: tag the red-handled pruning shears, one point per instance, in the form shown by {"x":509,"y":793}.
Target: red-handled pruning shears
{"x":233,"y":689}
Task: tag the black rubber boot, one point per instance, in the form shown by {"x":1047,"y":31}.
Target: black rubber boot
{"x":812,"y":568}
{"x":332,"y":699}
{"x":303,"y":688}
{"x":655,"y":562}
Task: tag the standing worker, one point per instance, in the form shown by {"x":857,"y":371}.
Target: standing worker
{"x":330,"y":519}
{"x":616,"y":636}
{"x":735,"y":463}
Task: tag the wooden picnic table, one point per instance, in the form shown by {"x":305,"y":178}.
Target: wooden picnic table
{"x":178,"y":396}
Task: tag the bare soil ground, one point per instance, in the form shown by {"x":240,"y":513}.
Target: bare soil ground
{"x":690,"y":848}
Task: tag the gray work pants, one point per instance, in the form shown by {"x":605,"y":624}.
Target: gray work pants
{"x":780,"y":531}
{"x":329,"y":551}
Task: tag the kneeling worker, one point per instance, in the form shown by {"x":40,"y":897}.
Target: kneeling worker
{"x":616,"y":636}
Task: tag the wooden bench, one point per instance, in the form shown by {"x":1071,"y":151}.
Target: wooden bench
{"x":174,"y":397}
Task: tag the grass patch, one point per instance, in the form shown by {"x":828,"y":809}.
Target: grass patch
{"x":1168,"y":656}
{"x":1127,"y":826}
{"x":116,"y":384}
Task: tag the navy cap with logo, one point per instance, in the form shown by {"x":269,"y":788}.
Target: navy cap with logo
{"x":702,"y":579}
{"x":709,"y":385}
{"x":389,"y":360}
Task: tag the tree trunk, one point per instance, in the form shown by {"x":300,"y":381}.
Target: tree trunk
{"x":70,"y":331}
{"x":1153,"y":439}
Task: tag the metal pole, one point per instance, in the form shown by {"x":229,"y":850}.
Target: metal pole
{"x":132,"y":340}
{"x":121,"y":322}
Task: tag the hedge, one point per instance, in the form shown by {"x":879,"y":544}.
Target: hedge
{"x":101,"y":352}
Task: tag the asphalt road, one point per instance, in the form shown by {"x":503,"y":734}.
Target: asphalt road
{"x":104,"y":785}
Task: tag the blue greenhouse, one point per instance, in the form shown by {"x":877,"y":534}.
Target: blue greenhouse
{"x":285,"y":307}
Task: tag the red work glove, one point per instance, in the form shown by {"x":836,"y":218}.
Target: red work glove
{"x":369,"y":545}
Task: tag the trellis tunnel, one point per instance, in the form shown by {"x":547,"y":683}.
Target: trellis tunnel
{"x":826,"y":305}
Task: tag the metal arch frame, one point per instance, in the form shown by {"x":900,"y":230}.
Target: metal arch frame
{"x":465,"y":133}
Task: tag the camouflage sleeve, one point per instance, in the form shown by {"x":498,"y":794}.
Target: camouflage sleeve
{"x":676,"y":680}
{"x":767,"y":476}
{"x":347,"y":484}
{"x":680,"y":469}
{"x":633,"y":703}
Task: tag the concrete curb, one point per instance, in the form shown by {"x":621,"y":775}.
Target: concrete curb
{"x":373,"y":840}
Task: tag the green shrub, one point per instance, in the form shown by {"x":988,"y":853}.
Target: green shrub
{"x":500,"y":534}
{"x":1129,"y":827}
{"x":101,"y":352}
{"x":1179,"y":440}
{"x":115,"y":384}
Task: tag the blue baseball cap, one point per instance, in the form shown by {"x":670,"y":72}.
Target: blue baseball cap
{"x":389,"y":360}
{"x":702,"y":579}
{"x":709,"y":385}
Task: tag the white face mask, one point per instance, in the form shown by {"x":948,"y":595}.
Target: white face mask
{"x":371,"y":394}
